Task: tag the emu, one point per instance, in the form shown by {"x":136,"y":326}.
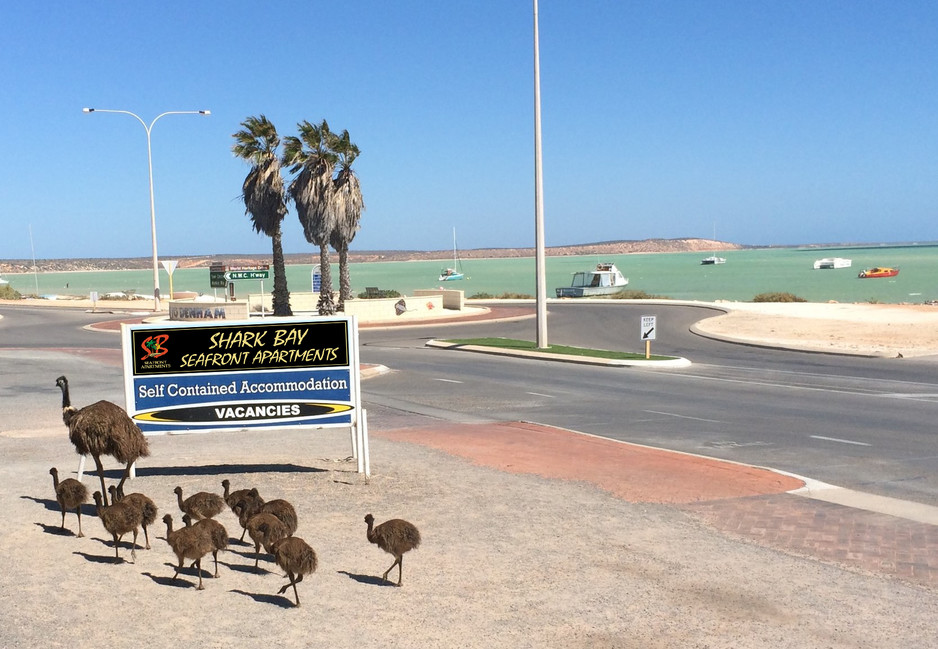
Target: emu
{"x":103,"y":428}
{"x":70,"y":494}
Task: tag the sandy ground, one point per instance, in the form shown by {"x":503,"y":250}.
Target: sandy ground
{"x":870,"y":329}
{"x":506,"y":561}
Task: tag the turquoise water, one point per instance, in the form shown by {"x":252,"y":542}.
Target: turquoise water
{"x":745,"y":274}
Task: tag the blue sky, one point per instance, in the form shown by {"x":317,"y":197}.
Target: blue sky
{"x":762,"y":122}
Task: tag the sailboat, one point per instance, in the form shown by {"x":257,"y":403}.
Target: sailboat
{"x":456,"y":272}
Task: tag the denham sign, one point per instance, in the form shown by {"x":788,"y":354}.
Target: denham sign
{"x":209,"y":376}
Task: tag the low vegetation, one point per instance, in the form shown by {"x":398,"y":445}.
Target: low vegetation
{"x":778,"y":297}
{"x":635,"y":294}
{"x":525,"y":345}
{"x":7,"y":292}
{"x":502,"y":296}
{"x":378,"y":294}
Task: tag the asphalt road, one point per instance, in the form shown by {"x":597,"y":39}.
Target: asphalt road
{"x":862,"y":423}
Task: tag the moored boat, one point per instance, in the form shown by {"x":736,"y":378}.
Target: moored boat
{"x":711,"y":260}
{"x":878,"y":271}
{"x":605,"y":279}
{"x":833,"y":262}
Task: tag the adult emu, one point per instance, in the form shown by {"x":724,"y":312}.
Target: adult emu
{"x":103,"y":428}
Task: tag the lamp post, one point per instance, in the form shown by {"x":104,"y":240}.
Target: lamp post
{"x":156,"y":268}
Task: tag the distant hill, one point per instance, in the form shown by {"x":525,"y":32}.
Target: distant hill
{"x":312,"y":257}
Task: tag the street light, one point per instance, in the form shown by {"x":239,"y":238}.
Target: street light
{"x":156,"y":268}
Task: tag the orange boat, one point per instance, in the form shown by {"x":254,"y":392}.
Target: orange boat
{"x":878,"y":271}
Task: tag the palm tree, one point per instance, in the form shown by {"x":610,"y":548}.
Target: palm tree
{"x":349,"y":207}
{"x":263,"y":195}
{"x":312,"y":192}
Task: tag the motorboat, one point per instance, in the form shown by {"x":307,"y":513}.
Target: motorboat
{"x":605,"y":279}
{"x":878,"y":271}
{"x":711,"y":260}
{"x":833,"y":262}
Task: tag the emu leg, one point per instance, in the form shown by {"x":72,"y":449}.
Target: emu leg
{"x":178,"y":568}
{"x":400,"y":569}
{"x":146,"y":536}
{"x":215,"y":556}
{"x":97,"y":463}
{"x":77,"y":511}
{"x":198,"y":563}
{"x":384,"y":577}
{"x":133,"y":548}
{"x":257,"y":556}
{"x":116,"y":546}
{"x":293,"y":582}
{"x":120,"y":485}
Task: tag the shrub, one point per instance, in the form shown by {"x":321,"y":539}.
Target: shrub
{"x":635,"y":294}
{"x":778,"y":297}
{"x":381,"y":293}
{"x":7,"y":292}
{"x":503,"y":296}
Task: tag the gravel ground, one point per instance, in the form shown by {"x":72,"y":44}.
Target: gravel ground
{"x":506,"y":560}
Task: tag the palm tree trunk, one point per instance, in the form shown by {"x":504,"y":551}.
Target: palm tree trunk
{"x":280,"y":296}
{"x":345,"y":280}
{"x":326,"y":304}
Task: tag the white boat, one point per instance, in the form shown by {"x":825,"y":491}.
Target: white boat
{"x":712,"y":259}
{"x":456,"y":272}
{"x":833,"y":262}
{"x":605,"y":279}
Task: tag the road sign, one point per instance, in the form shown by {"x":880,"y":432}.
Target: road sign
{"x":217,"y":279}
{"x":648,"y":327}
{"x":233,"y":275}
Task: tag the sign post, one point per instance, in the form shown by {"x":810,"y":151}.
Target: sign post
{"x":649,"y":325}
{"x":170,"y":266}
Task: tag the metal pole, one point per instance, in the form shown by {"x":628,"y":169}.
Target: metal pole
{"x":148,"y":129}
{"x":540,"y":271}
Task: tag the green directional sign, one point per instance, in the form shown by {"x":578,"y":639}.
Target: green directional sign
{"x":217,"y":279}
{"x":233,"y":275}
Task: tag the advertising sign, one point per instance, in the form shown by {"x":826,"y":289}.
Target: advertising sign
{"x":242,"y":374}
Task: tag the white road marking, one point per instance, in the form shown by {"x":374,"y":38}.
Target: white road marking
{"x":841,"y":441}
{"x":538,"y":394}
{"x":448,"y":380}
{"x":672,"y":414}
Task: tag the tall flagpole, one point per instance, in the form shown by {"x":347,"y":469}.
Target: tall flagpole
{"x":538,"y":200}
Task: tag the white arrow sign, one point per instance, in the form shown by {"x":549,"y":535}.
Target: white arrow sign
{"x":648,"y":327}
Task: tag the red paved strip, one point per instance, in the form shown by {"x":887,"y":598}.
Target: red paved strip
{"x":633,"y":473}
{"x":846,"y":536}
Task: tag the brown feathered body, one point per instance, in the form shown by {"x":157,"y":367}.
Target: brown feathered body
{"x":296,"y":558}
{"x":119,"y":519}
{"x":282,"y":510}
{"x":148,"y":509}
{"x":215,"y":531}
{"x":265,"y":529}
{"x":70,"y":494}
{"x":187,"y":543}
{"x":200,"y":505}
{"x":244,"y":505}
{"x":103,"y":428}
{"x":395,"y":537}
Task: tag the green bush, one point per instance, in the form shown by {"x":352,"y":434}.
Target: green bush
{"x":778,"y":297}
{"x":635,"y":294}
{"x":381,"y":293}
{"x":7,"y":292}
{"x":503,"y":296}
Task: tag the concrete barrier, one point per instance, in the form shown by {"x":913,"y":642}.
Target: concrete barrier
{"x":191,"y":310}
{"x":452,"y":299}
{"x":372,"y":310}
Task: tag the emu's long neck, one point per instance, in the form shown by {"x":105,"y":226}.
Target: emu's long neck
{"x":55,"y":480}
{"x":371,"y":532}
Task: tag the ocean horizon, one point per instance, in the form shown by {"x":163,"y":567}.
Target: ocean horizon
{"x":747,"y":272}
